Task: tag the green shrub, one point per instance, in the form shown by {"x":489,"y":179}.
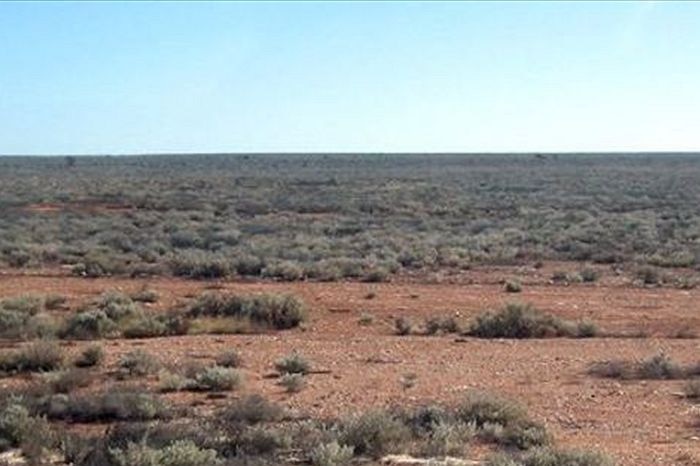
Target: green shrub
{"x":222,"y":326}
{"x":692,"y":389}
{"x":248,"y":265}
{"x":273,"y":310}
{"x":586,"y":329}
{"x":552,"y":457}
{"x":512,"y":286}
{"x":13,"y":324}
{"x":403,"y":326}
{"x":145,"y":295}
{"x":200,"y":264}
{"x":589,"y":275}
{"x":91,"y":356}
{"x":658,"y":367}
{"x":434,"y":325}
{"x":230,"y":358}
{"x":408,"y":380}
{"x":524,"y":435}
{"x":560,"y":276}
{"x":376,"y":275}
{"x":24,"y":317}
{"x":217,"y":379}
{"x":138,"y":363}
{"x":293,"y":383}
{"x":116,"y":305}
{"x":18,"y":428}
{"x":17,"y":324}
{"x":145,"y":326}
{"x":27,"y":304}
{"x":524,"y":321}
{"x":54,"y":302}
{"x":88,"y":325}
{"x":15,"y":423}
{"x":173,"y":382}
{"x":252,"y":409}
{"x":284,"y":270}
{"x":448,"y":439}
{"x":65,"y":381}
{"x":102,"y":407}
{"x":295,"y":363}
{"x":365,"y":319}
{"x":648,"y":275}
{"x":178,"y":453}
{"x":37,"y":356}
{"x":613,"y":369}
{"x":96,"y":265}
{"x":262,"y":440}
{"x":374,"y":434}
{"x":482,"y":408}
{"x":331,"y":454}
{"x":103,"y":317}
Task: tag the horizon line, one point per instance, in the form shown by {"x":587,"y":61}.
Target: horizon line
{"x":299,"y":153}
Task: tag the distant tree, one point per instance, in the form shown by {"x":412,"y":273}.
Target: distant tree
{"x":70,"y":161}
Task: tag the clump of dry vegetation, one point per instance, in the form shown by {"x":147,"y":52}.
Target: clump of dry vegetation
{"x":524,"y":321}
{"x":264,"y":310}
{"x":657,"y":367}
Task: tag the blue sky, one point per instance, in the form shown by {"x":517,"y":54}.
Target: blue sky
{"x":229,"y":77}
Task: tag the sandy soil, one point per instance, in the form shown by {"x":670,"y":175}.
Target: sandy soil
{"x":638,"y":423}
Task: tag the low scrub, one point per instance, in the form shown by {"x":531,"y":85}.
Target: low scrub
{"x":435,"y":325}
{"x":116,"y":314}
{"x":512,"y":286}
{"x":148,"y":325}
{"x":34,"y":357}
{"x":178,"y":453}
{"x":293,"y":383}
{"x":657,"y":367}
{"x":403,"y":326}
{"x":375,"y":433}
{"x":25,"y":316}
{"x":295,"y":363}
{"x":250,"y":410}
{"x":207,"y":379}
{"x":692,"y":389}
{"x":200,"y":264}
{"x":91,"y":356}
{"x":551,"y":457}
{"x":230,"y":358}
{"x":65,"y":381}
{"x":276,"y":311}
{"x":331,"y":454}
{"x":101,"y":319}
{"x":223,"y":326}
{"x":524,"y":321}
{"x":20,"y":429}
{"x":88,"y":325}
{"x":501,"y":421}
{"x":102,"y":407}
{"x":138,"y":363}
{"x":145,"y":295}
{"x":217,"y":379}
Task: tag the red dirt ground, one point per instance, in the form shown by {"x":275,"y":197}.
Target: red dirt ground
{"x":638,"y":423}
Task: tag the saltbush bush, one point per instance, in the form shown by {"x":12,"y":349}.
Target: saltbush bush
{"x":273,"y":310}
{"x":524,"y":321}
